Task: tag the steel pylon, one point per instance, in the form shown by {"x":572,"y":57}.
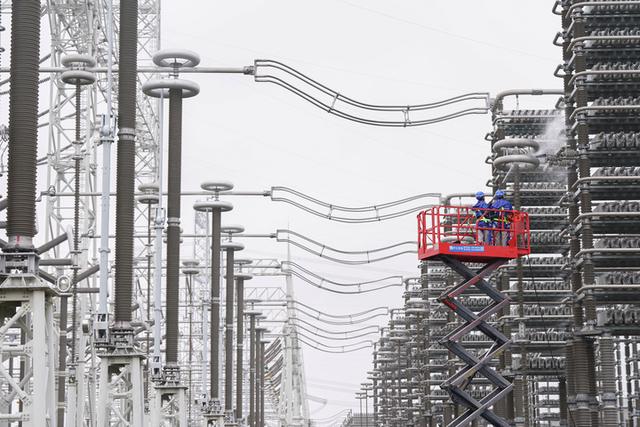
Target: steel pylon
{"x":457,"y":385}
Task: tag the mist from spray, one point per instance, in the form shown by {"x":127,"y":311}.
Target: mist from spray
{"x":551,"y":142}
{"x":554,"y":137}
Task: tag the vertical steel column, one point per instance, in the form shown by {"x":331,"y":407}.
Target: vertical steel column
{"x":168,"y":385}
{"x":190,"y":270}
{"x":252,"y":371}
{"x":175,"y":89}
{"x":240,"y":279}
{"x":63,"y":316}
{"x":262,"y":344}
{"x":228,"y":332}
{"x":214,"y":375}
{"x":216,"y":207}
{"x":239,"y":339}
{"x":259,"y":376}
{"x":173,"y":227}
{"x":78,"y":78}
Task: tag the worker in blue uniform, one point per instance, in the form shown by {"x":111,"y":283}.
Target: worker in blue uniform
{"x":502,"y":218}
{"x":484,"y":223}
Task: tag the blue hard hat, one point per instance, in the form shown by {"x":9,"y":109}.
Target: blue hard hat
{"x":479,"y":195}
{"x":499,"y":193}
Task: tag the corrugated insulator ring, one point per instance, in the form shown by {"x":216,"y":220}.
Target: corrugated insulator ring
{"x":516,"y":151}
{"x":159,"y":88}
{"x":77,"y":73}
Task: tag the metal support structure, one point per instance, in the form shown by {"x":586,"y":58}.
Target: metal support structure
{"x":169,"y":401}
{"x":240,"y":278}
{"x":212,"y":410}
{"x":456,"y":385}
{"x":293,"y":393}
{"x":229,"y":247}
{"x":252,"y":314}
{"x":261,"y":343}
{"x":30,"y":305}
{"x":26,"y":302}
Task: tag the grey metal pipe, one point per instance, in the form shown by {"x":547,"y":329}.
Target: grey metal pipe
{"x":23,"y":124}
{"x":228,"y":333}
{"x":46,"y":276}
{"x":106,"y":137}
{"x":239,"y":344}
{"x":87,"y":273}
{"x":259,"y":380}
{"x":173,"y":225}
{"x":62,"y":358}
{"x":535,"y":92}
{"x":57,"y":262}
{"x":252,"y":369}
{"x":261,"y":343}
{"x":256,"y":415}
{"x":52,"y":243}
{"x":125,"y":175}
{"x":261,"y":193}
{"x":246,"y":70}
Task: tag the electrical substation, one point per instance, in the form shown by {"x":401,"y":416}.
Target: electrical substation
{"x":131,"y":297}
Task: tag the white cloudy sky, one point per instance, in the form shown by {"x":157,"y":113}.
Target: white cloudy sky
{"x":402,"y":52}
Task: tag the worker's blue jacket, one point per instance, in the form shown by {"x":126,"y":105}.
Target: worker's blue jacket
{"x":477,"y":208}
{"x":501,"y":204}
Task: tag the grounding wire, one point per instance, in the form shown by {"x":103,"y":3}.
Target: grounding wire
{"x":344,"y":261}
{"x":321,"y":252}
{"x":343,"y":316}
{"x":340,"y":323}
{"x":335,"y":291}
{"x":395,"y":245}
{"x":332,"y":217}
{"x":347,"y":348}
{"x":375,"y":328}
{"x":322,"y":280}
{"x":333,"y":282}
{"x":330,"y":338}
{"x":354,"y":209}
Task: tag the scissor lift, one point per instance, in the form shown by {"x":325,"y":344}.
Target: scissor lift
{"x":454,"y":236}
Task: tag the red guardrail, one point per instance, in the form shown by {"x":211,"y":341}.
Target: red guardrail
{"x":470,"y":233}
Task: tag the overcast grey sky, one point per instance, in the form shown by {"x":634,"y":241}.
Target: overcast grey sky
{"x":258,"y":135}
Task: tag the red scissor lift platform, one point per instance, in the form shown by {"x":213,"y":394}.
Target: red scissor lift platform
{"x":456,"y":231}
{"x":455,"y":235}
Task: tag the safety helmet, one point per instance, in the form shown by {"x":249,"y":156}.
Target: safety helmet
{"x":499,"y":194}
{"x":479,"y":195}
